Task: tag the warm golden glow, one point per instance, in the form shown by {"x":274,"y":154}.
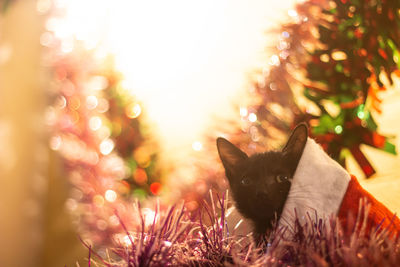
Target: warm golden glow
{"x":187,"y":61}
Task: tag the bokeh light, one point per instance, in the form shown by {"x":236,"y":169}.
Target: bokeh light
{"x":110,"y":195}
{"x":133,"y":111}
{"x":186,"y":60}
{"x":197,"y":146}
{"x":106,"y":146}
{"x":155,"y":188}
{"x":252,"y":117}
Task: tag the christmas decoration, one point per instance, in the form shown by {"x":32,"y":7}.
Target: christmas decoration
{"x":320,"y":185}
{"x":318,"y":242}
{"x":326,"y":70}
{"x":99,"y":129}
{"x":337,"y":54}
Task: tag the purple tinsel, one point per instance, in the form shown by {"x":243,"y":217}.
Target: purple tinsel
{"x":173,"y":239}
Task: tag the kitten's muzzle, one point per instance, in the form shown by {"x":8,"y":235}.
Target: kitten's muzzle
{"x":262,"y":196}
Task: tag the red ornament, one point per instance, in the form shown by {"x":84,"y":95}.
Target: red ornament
{"x":362,"y":161}
{"x":358,"y":33}
{"x":390,"y":14}
{"x":378,"y":140}
{"x":155,"y":188}
{"x":382,"y":53}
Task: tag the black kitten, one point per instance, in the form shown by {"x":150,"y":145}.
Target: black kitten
{"x":260,"y":183}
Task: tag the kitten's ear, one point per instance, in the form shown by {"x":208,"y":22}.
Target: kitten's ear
{"x":230,"y":155}
{"x":295,"y":145}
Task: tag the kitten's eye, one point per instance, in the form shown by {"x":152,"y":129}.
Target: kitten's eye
{"x":280,"y":178}
{"x":245,"y":181}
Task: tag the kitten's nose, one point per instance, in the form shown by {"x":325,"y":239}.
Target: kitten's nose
{"x":262,"y":196}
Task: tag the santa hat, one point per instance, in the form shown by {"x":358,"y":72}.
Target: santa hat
{"x":321,"y":186}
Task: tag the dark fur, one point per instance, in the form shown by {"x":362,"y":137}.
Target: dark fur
{"x":260,"y":183}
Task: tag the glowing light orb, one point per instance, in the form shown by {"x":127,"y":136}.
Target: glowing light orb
{"x":133,"y":111}
{"x":338,"y":129}
{"x":197,"y":146}
{"x":252,"y":117}
{"x":106,"y":146}
{"x":91,"y":102}
{"x":110,"y":195}
{"x":95,"y":123}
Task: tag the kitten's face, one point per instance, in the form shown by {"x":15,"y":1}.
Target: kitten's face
{"x":260,"y":184}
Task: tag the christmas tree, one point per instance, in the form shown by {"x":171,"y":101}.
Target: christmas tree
{"x":99,"y":129}
{"x":328,"y":66}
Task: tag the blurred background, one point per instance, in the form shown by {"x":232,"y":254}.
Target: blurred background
{"x":102,"y":102}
